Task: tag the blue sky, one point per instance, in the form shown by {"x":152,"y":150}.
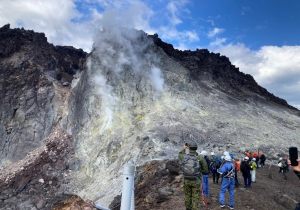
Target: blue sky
{"x":255,"y":23}
{"x":261,"y":37}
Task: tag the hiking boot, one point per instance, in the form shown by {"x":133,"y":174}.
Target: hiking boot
{"x":222,"y":206}
{"x":230,"y":207}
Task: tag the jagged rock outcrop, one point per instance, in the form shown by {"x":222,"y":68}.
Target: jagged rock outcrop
{"x":38,"y":180}
{"x":207,"y":66}
{"x":34,"y":78}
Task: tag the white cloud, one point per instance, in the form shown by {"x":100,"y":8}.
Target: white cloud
{"x":181,"y":46}
{"x":54,"y":18}
{"x":218,"y":42}
{"x":192,"y":35}
{"x":64,"y":24}
{"x":174,"y":8}
{"x":276,"y":68}
{"x":170,"y":33}
{"x":215,"y":31}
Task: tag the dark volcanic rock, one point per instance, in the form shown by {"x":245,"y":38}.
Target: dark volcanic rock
{"x":208,"y":66}
{"x":73,"y":202}
{"x":35,"y":182}
{"x":30,"y":69}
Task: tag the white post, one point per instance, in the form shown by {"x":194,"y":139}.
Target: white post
{"x":132,"y":197}
{"x":127,"y":201}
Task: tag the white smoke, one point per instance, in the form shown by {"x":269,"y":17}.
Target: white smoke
{"x":119,"y":50}
{"x":157,"y":79}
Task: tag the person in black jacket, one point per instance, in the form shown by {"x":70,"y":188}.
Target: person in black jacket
{"x":262,"y":160}
{"x":245,"y":169}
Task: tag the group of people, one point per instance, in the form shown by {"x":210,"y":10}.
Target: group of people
{"x":249,"y":164}
{"x":196,"y":168}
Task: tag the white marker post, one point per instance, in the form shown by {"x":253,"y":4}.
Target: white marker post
{"x":127,"y":201}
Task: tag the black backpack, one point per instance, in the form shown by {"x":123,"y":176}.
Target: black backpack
{"x":190,"y":166}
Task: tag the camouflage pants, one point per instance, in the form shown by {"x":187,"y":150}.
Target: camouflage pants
{"x":192,"y":193}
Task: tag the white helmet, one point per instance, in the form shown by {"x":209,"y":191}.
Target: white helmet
{"x":246,"y":158}
{"x":227,"y":158}
{"x":203,"y":152}
{"x":226,"y":153}
{"x":280,"y":158}
{"x":254,"y":159}
{"x":212,"y":153}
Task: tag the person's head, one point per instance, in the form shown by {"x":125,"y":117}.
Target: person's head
{"x":226,"y":153}
{"x":203,"y":152}
{"x":193,"y":146}
{"x":253,"y":159}
{"x":246,"y":158}
{"x":212,"y":153}
{"x":227,"y":158}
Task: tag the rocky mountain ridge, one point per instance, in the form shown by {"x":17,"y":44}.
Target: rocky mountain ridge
{"x":32,"y":72}
{"x":205,"y":65}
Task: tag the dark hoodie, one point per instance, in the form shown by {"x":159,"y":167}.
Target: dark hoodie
{"x":245,"y":167}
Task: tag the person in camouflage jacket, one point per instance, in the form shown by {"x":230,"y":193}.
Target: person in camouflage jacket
{"x":192,"y":184}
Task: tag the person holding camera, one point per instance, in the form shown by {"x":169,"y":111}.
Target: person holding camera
{"x":294,"y":162}
{"x":193,"y":166}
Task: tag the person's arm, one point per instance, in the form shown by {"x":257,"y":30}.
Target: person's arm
{"x":296,"y":169}
{"x":182,"y":152}
{"x":222,"y":169}
{"x":203,"y":164}
{"x":181,"y":155}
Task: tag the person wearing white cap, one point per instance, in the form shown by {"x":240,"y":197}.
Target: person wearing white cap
{"x":283,"y":166}
{"x":226,"y":153}
{"x":228,"y":182}
{"x":245,"y":169}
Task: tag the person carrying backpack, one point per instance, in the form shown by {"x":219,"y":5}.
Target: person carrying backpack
{"x":245,"y":169}
{"x":262,"y":160}
{"x":214,"y":166}
{"x":193,"y":166}
{"x":283,"y":166}
{"x":228,"y":183}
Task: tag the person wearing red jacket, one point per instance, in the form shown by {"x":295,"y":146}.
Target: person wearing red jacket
{"x":237,"y":166}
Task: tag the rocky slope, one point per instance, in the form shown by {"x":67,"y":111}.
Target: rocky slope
{"x":133,"y":97}
{"x":126,"y":113}
{"x":206,"y":66}
{"x":34,"y":79}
